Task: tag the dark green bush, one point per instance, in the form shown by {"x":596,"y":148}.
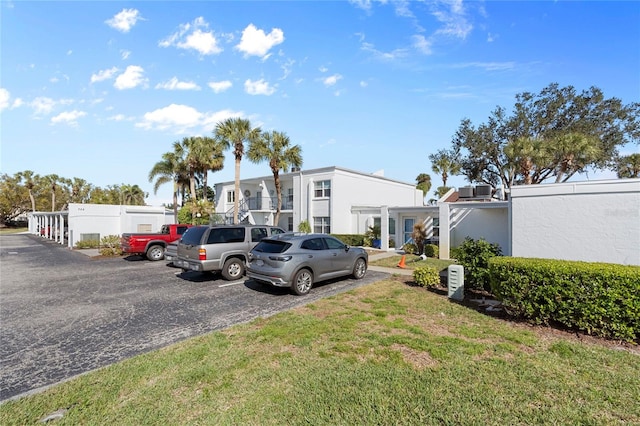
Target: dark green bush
{"x":351,"y":239}
{"x":597,"y":298}
{"x":474,"y":255}
{"x":426,"y":276}
{"x":432,"y":250}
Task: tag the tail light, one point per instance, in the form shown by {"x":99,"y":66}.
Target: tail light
{"x":202,"y":254}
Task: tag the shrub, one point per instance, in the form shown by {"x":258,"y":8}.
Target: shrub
{"x":373,"y":233}
{"x":426,"y":276}
{"x":597,"y":298}
{"x":304,"y":226}
{"x":110,"y":245}
{"x":419,"y":235}
{"x":88,"y":244}
{"x":432,"y":250}
{"x":410,"y":248}
{"x":474,"y":255}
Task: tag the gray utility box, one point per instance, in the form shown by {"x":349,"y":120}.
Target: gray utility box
{"x":455,"y":282}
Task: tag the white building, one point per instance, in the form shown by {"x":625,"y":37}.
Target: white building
{"x":331,"y":199}
{"x":83,"y":222}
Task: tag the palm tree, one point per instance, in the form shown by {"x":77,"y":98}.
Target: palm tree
{"x":53,"y":181}
{"x":276,"y":148}
{"x":30,"y":178}
{"x":234,"y":132}
{"x":572,"y":153}
{"x":423,"y":182}
{"x":80,"y":190}
{"x":445,"y":163}
{"x":172,"y":168}
{"x":209,"y":154}
{"x":132,"y":195}
{"x":629,"y":166}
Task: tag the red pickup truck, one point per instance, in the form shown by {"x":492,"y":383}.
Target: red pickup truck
{"x":152,"y":245}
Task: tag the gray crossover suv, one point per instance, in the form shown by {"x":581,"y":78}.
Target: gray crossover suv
{"x":298,"y":260}
{"x":222,"y":248}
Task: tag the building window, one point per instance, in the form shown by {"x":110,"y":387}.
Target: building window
{"x":392,"y":226}
{"x":290,"y":224}
{"x":322,"y":224}
{"x":322,"y":189}
{"x":231,"y":196}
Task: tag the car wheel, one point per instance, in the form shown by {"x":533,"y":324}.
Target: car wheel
{"x":302,"y":282}
{"x":233,"y":269}
{"x":155,"y":253}
{"x":359,"y":269}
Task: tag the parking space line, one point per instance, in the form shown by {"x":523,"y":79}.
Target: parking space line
{"x":232,"y":283}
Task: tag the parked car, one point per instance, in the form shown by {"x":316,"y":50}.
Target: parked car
{"x":298,"y":260}
{"x":171,"y":252}
{"x":152,"y":245}
{"x":221,"y":248}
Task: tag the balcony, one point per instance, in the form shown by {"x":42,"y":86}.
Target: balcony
{"x":268,"y":203}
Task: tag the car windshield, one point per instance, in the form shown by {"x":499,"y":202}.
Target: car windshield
{"x":272,"y":246}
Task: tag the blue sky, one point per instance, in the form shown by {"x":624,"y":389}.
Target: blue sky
{"x":100,"y":90}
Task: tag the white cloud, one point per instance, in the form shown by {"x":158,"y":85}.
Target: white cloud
{"x":124,"y":54}
{"x":258,"y":87}
{"x":174,"y":84}
{"x":69,"y":52}
{"x":68,"y":117}
{"x":117,"y":117}
{"x":4,"y":98}
{"x":172,"y":116}
{"x":183,"y":118}
{"x":18,"y":102}
{"x":331,"y":80}
{"x":363,"y":83}
{"x":383,"y":56}
{"x":220,"y":86}
{"x":421,"y":44}
{"x":125,"y":20}
{"x":103,"y":75}
{"x":42,"y":105}
{"x":132,"y":77}
{"x":487,"y":66}
{"x":194,"y":36}
{"x":255,"y":42}
{"x":454,"y":20}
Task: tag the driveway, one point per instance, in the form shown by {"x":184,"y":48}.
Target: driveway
{"x":63,"y":313}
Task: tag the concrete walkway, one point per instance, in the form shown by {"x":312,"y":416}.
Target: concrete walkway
{"x":382,"y":255}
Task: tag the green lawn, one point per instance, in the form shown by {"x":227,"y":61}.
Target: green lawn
{"x":12,"y":230}
{"x":412,"y":261}
{"x":386,"y":353}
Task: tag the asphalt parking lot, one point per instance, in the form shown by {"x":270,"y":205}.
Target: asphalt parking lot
{"x":63,"y":313}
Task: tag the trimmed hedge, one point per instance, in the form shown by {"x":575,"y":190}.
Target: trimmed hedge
{"x":596,"y":298}
{"x":351,"y":239}
{"x":432,"y":250}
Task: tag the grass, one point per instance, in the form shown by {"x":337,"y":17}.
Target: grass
{"x":386,"y":353}
{"x":12,"y":230}
{"x":412,"y":261}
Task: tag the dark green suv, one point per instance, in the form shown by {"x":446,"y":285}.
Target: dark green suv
{"x":221,"y":248}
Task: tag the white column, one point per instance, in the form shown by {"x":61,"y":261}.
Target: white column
{"x":384,"y":228}
{"x":445,"y":231}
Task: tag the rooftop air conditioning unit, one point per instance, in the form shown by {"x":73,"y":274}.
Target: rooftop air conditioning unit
{"x":483,"y":191}
{"x":466,"y":192}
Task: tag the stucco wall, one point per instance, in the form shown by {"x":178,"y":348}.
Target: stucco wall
{"x":490,"y":224}
{"x":106,"y":219}
{"x":596,"y":221}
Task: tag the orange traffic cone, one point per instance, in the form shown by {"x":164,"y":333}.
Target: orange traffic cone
{"x":402,"y":264}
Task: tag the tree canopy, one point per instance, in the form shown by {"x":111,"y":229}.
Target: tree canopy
{"x":551,"y":135}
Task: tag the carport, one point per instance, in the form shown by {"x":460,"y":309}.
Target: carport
{"x":50,"y":225}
